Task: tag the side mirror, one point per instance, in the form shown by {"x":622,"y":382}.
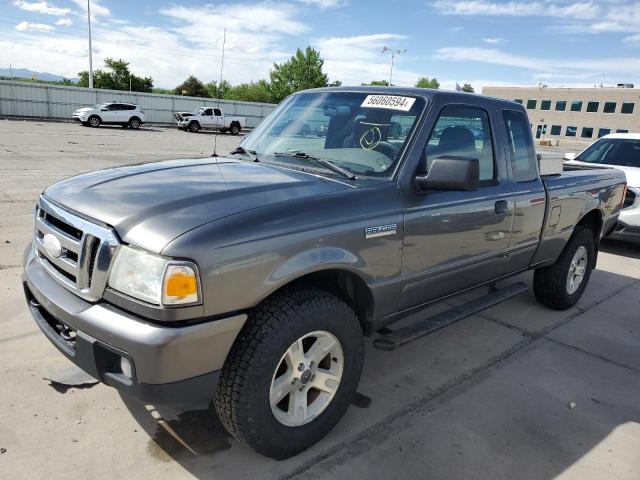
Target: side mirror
{"x":570,"y":156}
{"x":451,"y":173}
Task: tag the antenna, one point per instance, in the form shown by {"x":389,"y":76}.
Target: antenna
{"x":215,"y":135}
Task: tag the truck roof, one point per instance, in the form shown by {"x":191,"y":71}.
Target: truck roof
{"x":427,"y":93}
{"x":623,"y":136}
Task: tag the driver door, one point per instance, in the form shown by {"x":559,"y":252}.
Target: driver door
{"x":457,"y":239}
{"x":207,"y":119}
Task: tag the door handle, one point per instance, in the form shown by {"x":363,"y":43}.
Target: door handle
{"x":502,"y":207}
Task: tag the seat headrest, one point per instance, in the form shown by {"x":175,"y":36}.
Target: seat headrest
{"x":457,"y":139}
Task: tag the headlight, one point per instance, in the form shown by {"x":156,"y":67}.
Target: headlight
{"x":154,"y":279}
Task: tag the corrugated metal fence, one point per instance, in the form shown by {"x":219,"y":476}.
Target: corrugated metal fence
{"x":23,"y":99}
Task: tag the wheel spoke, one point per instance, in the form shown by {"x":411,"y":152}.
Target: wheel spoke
{"x":298,"y":407}
{"x":321,"y":347}
{"x":326,"y":381}
{"x":296,"y":354}
{"x":580,"y":269}
{"x":281,"y":387}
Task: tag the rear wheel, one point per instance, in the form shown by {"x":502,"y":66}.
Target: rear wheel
{"x":561,"y":285}
{"x":135,"y":123}
{"x":94,"y":121}
{"x":234,"y":128}
{"x":291,"y":373}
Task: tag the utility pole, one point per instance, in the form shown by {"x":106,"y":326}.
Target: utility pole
{"x":393,"y":56}
{"x":90,"y":49}
{"x":224,"y":41}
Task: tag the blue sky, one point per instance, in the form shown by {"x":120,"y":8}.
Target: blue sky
{"x":482,"y":42}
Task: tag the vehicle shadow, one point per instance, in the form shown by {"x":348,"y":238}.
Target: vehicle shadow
{"x":489,"y":392}
{"x":618,"y":247}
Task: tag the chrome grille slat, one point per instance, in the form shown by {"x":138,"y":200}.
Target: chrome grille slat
{"x":83,"y":267}
{"x":66,"y":240}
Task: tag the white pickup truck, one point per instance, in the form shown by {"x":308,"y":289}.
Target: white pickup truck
{"x":209,"y":118}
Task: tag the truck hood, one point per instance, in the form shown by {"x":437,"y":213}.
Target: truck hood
{"x":151,"y":204}
{"x":632,"y":173}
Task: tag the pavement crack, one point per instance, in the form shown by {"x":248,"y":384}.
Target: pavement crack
{"x":594,"y":355}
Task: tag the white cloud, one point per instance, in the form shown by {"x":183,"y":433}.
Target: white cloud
{"x":493,"y":40}
{"x":41,"y":7}
{"x":633,"y":38}
{"x":34,"y":27}
{"x":64,"y":22}
{"x":610,"y":65}
{"x":97,"y":9}
{"x":359,"y":59}
{"x":577,"y":10}
{"x":325,"y":3}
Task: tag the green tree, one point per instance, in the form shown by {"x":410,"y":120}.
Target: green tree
{"x":116,"y":76}
{"x":192,"y":87}
{"x":467,"y":88}
{"x":250,"y":92}
{"x":212,"y":88}
{"x":301,"y":71}
{"x":374,"y":83}
{"x":426,"y":82}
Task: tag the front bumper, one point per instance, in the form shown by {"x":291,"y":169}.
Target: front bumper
{"x":169,"y":365}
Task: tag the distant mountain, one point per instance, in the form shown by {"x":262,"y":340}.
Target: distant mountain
{"x":25,"y":73}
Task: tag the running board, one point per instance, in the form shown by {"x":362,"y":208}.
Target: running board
{"x":393,"y":339}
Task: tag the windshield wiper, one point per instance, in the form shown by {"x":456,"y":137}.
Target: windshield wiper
{"x":322,"y":161}
{"x":246,"y":152}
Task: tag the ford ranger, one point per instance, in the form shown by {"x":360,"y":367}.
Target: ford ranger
{"x":251,"y":280}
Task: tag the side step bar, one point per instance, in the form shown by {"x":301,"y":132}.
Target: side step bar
{"x":393,"y":339}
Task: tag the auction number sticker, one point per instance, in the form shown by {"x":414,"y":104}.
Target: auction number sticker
{"x":390,"y":102}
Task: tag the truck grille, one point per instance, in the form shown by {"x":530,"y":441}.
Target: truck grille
{"x":76,"y":252}
{"x":629,"y":198}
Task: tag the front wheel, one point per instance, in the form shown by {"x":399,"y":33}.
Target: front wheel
{"x":194,"y":127}
{"x":561,"y":285}
{"x":94,"y":121}
{"x":291,"y":373}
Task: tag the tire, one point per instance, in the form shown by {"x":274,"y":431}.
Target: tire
{"x":135,"y":123}
{"x":552,"y":286}
{"x":94,"y":121}
{"x":256,"y":361}
{"x":194,"y":127}
{"x":234,"y":129}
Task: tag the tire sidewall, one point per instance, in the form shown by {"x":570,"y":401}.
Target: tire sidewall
{"x":582,"y":239}
{"x":134,"y":123}
{"x":334,"y":320}
{"x":194,"y":127}
{"x":91,"y":121}
{"x":234,"y":129}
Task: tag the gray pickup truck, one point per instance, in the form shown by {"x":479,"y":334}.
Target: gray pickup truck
{"x":250,"y":281}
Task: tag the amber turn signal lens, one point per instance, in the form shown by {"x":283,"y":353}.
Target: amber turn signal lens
{"x":180,"y":285}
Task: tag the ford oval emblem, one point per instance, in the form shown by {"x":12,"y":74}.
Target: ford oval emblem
{"x":52,"y":245}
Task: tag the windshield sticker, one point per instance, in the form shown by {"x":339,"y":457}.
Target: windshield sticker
{"x":370,"y":138}
{"x":389,"y":102}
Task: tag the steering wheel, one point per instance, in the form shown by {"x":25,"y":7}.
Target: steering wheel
{"x":387,"y":149}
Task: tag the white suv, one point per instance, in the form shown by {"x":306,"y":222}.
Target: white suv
{"x":124,"y":114}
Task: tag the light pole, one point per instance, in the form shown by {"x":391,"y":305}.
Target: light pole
{"x":90,"y":50}
{"x":395,"y":52}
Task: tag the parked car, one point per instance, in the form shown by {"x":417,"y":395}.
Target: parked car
{"x":252,"y":279}
{"x":125,"y":114}
{"x":620,"y":151}
{"x":209,"y":118}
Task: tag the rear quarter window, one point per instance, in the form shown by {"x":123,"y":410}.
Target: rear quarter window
{"x":520,"y":146}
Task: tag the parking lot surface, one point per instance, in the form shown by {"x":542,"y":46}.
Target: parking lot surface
{"x":518,"y":391}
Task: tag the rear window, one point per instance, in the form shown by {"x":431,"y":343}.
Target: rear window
{"x":613,"y":151}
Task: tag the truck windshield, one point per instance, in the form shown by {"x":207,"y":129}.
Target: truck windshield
{"x":624,"y":152}
{"x":360,"y":132}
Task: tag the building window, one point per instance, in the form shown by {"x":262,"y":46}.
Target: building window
{"x":622,"y":130}
{"x":545,"y":105}
{"x":571,"y":131}
{"x":592,"y":106}
{"x":587,"y":132}
{"x":531,"y":104}
{"x":518,"y":100}
{"x":627,"y":108}
{"x":609,"y":107}
{"x":603,"y":131}
{"x":561,"y":105}
{"x":555,"y":129}
{"x":576,"y":106}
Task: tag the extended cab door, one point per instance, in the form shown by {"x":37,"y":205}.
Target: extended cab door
{"x":529,"y":193}
{"x":457,"y":239}
{"x":207,"y":119}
